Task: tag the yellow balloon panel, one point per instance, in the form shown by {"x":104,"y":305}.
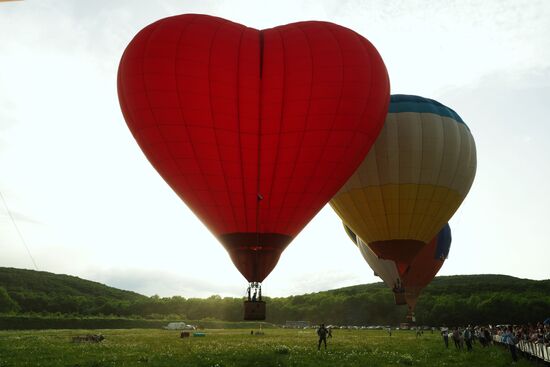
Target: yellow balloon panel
{"x":406,"y":211}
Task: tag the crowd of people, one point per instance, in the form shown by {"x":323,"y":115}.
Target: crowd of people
{"x":534,"y":339}
{"x":467,"y":336}
{"x":528,"y":340}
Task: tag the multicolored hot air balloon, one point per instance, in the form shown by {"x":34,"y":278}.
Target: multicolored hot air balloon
{"x":408,"y":280}
{"x":414,"y":178}
{"x":255,"y":130}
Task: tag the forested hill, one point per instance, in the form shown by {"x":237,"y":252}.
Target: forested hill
{"x":31,"y":290}
{"x":465,"y":285}
{"x":453,"y":300}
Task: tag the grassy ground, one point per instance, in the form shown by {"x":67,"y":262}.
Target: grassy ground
{"x":146,"y":347}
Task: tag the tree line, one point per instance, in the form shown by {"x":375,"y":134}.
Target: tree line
{"x":456,"y":300}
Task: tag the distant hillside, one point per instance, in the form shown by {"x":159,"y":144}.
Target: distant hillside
{"x":40,"y":291}
{"x":465,"y":285}
{"x":17,"y":280}
{"x":462,"y":284}
{"x":453,"y":300}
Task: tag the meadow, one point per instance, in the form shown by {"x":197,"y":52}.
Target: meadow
{"x":225,"y":348}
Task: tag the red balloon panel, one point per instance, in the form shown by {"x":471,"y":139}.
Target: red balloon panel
{"x":424,"y":267}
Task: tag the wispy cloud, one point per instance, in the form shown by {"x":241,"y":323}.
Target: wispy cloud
{"x":162,"y":283}
{"x":319,"y":281}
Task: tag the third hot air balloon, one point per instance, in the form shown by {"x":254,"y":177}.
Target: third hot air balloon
{"x":407,"y":280}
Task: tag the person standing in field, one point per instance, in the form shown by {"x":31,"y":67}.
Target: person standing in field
{"x":509,"y":339}
{"x":445,"y":334}
{"x":468,"y":338}
{"x":322,"y":333}
{"x":481,"y":337}
{"x":488,"y":337}
{"x":456,"y":338}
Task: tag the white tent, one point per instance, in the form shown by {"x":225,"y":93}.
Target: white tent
{"x":179,"y":326}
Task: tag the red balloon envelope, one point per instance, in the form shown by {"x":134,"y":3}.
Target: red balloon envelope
{"x":254,"y":129}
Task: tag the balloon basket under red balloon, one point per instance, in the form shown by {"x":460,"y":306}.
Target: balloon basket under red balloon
{"x":254,"y":310}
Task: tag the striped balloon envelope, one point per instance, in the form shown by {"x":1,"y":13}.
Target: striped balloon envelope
{"x":408,"y":280}
{"x":413,"y":180}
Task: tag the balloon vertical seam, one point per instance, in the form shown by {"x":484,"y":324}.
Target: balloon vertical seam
{"x":239,"y":135}
{"x":258,"y":200}
{"x":302,"y":132}
{"x":336,"y":114}
{"x":281,"y":119}
{"x":421,"y":127}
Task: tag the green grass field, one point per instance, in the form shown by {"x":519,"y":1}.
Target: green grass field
{"x":277,"y":347}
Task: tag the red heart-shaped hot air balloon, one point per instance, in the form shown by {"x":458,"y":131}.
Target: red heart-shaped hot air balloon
{"x":255,"y":130}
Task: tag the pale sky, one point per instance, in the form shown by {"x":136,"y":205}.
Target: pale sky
{"x":88,"y":203}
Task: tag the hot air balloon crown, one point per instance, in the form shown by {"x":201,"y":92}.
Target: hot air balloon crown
{"x":410,"y":103}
